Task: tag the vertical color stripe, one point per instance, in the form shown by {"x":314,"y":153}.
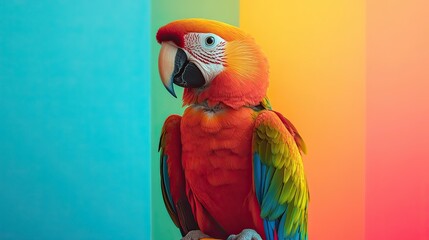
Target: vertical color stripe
{"x":397,"y":186}
{"x":163,"y":104}
{"x":316,"y":53}
{"x":74,"y":119}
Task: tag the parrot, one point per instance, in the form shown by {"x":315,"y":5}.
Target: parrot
{"x":230,"y":166}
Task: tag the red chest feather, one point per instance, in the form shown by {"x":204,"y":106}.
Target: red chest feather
{"x":217,"y":160}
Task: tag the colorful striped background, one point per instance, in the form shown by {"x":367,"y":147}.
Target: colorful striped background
{"x":353,"y":76}
{"x":82,"y":105}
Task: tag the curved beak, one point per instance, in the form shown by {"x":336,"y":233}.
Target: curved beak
{"x":174,"y":67}
{"x":166,"y":61}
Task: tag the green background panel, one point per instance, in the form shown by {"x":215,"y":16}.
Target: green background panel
{"x":163,"y":104}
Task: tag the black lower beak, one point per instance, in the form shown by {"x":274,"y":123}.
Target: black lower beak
{"x":187,"y":74}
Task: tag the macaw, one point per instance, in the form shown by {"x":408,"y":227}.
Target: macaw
{"x":230,"y":165}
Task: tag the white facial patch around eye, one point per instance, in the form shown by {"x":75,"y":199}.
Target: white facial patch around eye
{"x":207,"y":51}
{"x":210,"y":41}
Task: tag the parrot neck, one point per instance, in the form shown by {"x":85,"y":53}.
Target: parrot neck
{"x":207,"y":108}
{"x":224,"y":90}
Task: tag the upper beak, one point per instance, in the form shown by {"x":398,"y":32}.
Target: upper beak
{"x":174,"y":67}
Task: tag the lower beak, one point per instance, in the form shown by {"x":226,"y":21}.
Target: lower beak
{"x":174,"y":67}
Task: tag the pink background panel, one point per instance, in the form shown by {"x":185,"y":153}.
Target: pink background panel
{"x":397,"y":140}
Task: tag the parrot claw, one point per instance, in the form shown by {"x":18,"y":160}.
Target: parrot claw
{"x":195,"y":235}
{"x":246,"y":234}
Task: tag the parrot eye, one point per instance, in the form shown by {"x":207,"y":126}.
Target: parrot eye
{"x":210,"y":40}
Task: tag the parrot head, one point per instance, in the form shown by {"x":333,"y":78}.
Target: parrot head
{"x":215,"y":62}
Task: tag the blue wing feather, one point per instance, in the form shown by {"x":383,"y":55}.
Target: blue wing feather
{"x":257,"y":169}
{"x":167,"y":181}
{"x":269,"y":227}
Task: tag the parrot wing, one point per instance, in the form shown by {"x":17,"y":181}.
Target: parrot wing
{"x":172,"y":176}
{"x":279,"y":181}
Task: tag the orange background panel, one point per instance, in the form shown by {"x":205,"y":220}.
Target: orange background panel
{"x":316,"y":52}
